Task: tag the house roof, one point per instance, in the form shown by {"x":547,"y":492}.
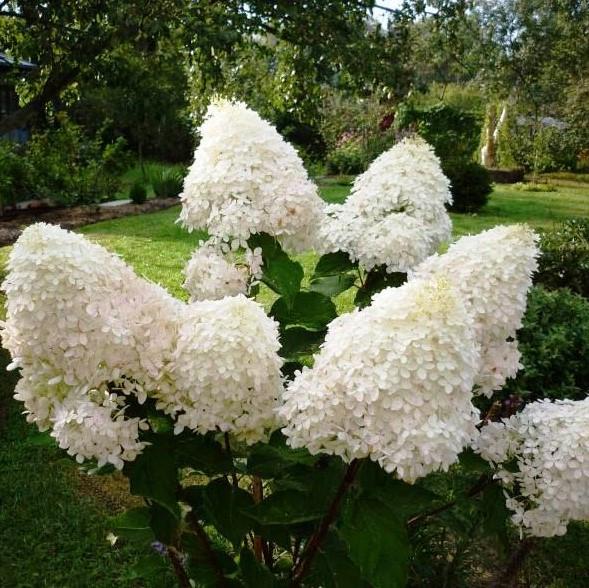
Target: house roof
{"x":7,"y":62}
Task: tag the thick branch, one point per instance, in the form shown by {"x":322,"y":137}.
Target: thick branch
{"x":52,"y":88}
{"x":304,"y":565}
{"x":208,"y":549}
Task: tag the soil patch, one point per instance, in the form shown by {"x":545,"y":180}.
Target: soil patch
{"x":11,"y":226}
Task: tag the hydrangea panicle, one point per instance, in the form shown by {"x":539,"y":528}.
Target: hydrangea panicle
{"x":79,"y":319}
{"x":210,"y":276}
{"x":548,"y":442}
{"x":395,"y":215}
{"x":493,"y":273}
{"x":226,"y":370}
{"x":246,"y":179}
{"x":392,"y":382}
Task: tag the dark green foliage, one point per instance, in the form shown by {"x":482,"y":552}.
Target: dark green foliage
{"x":554,"y":342}
{"x":138,"y":193}
{"x":167,"y":182}
{"x":470,"y":185}
{"x":453,"y":132}
{"x":15,"y":174}
{"x":347,"y":159}
{"x":62,"y":165}
{"x":564,"y":262}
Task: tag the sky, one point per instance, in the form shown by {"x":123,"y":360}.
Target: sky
{"x":381,"y":15}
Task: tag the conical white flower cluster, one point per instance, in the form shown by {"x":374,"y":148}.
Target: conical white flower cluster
{"x":77,"y":319}
{"x":549,"y":443}
{"x":226,"y":370}
{"x":392,"y":382}
{"x":395,"y":215}
{"x":87,"y":333}
{"x":492,"y":271}
{"x":246,"y":179}
{"x":209,"y":276}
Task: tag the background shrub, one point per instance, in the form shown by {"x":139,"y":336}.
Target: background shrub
{"x":565,"y":257}
{"x":540,"y":145}
{"x":15,"y":172}
{"x":62,"y":165}
{"x":138,"y":193}
{"x":167,"y":182}
{"x":471,"y":185}
{"x":453,"y":132}
{"x":554,"y":342}
{"x":347,"y":159}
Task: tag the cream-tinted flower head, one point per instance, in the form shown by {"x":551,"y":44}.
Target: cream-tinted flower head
{"x":246,"y":179}
{"x":549,"y":444}
{"x":493,"y":273}
{"x":81,"y":324}
{"x":392,"y":382}
{"x":395,"y":215}
{"x":226,"y":370}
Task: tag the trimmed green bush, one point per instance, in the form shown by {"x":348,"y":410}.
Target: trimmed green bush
{"x":565,"y":257}
{"x":138,"y":193}
{"x":554,"y":342}
{"x":471,"y":185}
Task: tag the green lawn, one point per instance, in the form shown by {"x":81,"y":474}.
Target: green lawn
{"x":52,"y":529}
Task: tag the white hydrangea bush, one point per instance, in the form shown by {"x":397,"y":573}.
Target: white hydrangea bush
{"x":541,"y":454}
{"x":396,"y":213}
{"x":247,"y":179}
{"x":280,"y":401}
{"x":392,"y":382}
{"x":493,"y":273}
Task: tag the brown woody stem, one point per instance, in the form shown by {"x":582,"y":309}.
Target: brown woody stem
{"x":208,"y":549}
{"x":174,"y":556}
{"x":258,"y":495}
{"x":304,"y":564}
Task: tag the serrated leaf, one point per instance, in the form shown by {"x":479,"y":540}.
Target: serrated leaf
{"x":310,"y":310}
{"x":332,"y":285}
{"x":376,"y":280}
{"x":154,"y":475}
{"x":473,"y":462}
{"x":163,"y":524}
{"x":150,"y":567}
{"x":254,"y":574}
{"x":280,"y":273}
{"x":270,"y":460}
{"x":199,"y":565}
{"x":377,"y":542}
{"x":405,"y":500}
{"x":225,"y":507}
{"x":133,"y":524}
{"x":203,"y":454}
{"x":495,"y":514}
{"x":333,"y":568}
{"x":333,"y":263}
{"x":285,"y":508}
{"x":296,"y":342}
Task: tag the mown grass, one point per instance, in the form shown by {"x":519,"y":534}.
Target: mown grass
{"x":54,"y":534}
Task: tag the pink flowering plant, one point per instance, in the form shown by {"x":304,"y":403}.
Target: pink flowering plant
{"x":295,"y":447}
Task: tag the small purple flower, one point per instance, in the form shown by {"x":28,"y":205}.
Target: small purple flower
{"x":159,"y":547}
